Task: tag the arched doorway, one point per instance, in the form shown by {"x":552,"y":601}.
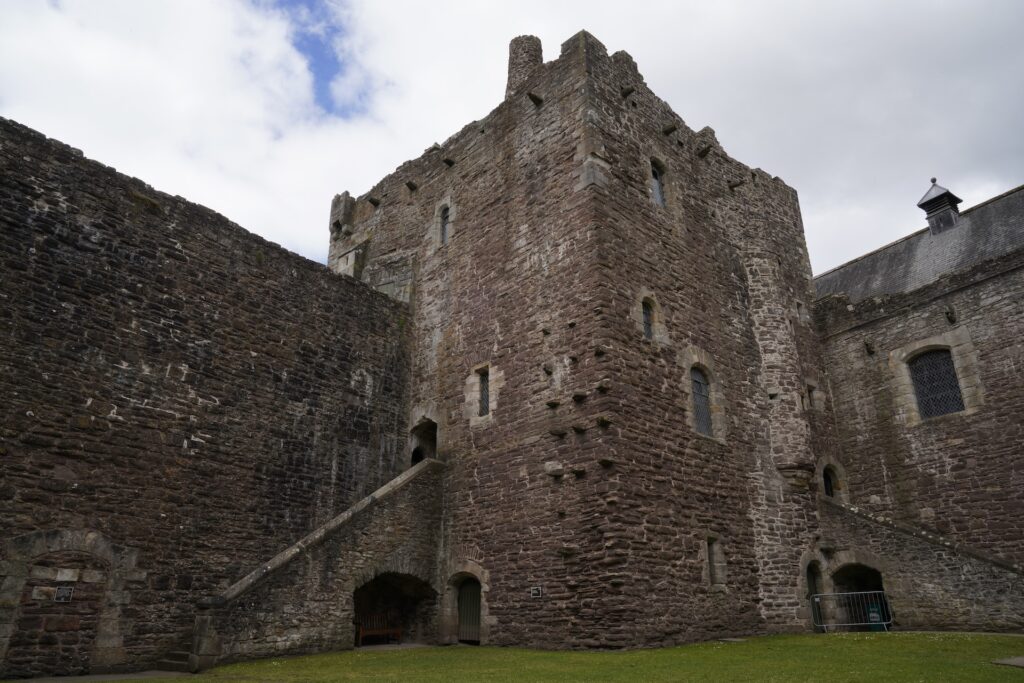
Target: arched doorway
{"x":393,"y":608}
{"x":424,"y":441}
{"x":469,"y":611}
{"x":865,"y":603}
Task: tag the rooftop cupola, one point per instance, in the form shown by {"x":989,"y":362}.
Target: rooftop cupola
{"x":524,"y":55}
{"x":940,"y":206}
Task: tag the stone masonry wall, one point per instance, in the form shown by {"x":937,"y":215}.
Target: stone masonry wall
{"x":307,"y":605}
{"x":181,"y":398}
{"x":958,"y":474}
{"x":586,"y":491}
{"x":929,"y":585}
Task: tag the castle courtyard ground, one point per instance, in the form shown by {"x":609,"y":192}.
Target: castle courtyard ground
{"x":835,"y":657}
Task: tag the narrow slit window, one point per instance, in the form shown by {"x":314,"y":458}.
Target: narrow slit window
{"x":657,"y":183}
{"x":485,"y":391}
{"x":647,"y":308}
{"x":445,"y":219}
{"x":716,"y":562}
{"x":935,"y":383}
{"x":701,"y":402}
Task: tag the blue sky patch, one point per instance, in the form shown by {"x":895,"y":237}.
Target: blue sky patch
{"x":318,"y":32}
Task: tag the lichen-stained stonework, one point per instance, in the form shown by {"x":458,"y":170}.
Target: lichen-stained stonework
{"x":593,"y":384}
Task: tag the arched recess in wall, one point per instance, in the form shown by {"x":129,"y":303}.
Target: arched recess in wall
{"x":423,"y":441}
{"x":393,"y":607}
{"x":77,"y":580}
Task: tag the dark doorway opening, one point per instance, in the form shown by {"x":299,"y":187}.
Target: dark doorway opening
{"x":866,"y":601}
{"x":469,"y":611}
{"x":856,"y":578}
{"x":424,"y":441}
{"x":393,"y":608}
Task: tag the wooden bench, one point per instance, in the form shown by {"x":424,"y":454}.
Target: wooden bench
{"x":378,"y":625}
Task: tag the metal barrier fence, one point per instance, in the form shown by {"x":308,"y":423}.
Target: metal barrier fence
{"x":864,"y":611}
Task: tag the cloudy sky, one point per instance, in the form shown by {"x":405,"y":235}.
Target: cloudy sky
{"x":264,"y":110}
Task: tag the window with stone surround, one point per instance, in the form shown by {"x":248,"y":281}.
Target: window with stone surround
{"x":935,"y":383}
{"x":483,"y":384}
{"x":716,"y":562}
{"x":484,"y":380}
{"x":936,"y":377}
{"x":444,"y":219}
{"x":703,"y":393}
{"x":647,"y":311}
{"x":658,"y":182}
{"x":701,"y":396}
{"x":443,"y":225}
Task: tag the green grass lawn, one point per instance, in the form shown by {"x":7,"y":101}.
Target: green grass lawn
{"x":837,"y":657}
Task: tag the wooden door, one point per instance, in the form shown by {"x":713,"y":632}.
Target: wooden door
{"x":469,"y":611}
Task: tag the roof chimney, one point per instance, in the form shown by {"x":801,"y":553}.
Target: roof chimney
{"x":940,"y":206}
{"x":524,"y":55}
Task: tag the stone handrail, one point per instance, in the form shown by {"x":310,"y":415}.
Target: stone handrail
{"x":316,"y":536}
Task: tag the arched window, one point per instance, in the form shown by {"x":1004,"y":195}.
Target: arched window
{"x":445,"y":218}
{"x":701,"y":402}
{"x":828,"y":480}
{"x":657,"y":183}
{"x":935,"y":383}
{"x":647,"y":308}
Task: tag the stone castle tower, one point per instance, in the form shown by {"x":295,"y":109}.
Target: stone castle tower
{"x":570,"y":384}
{"x":596,"y":262}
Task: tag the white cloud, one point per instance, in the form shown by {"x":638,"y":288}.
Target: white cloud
{"x":854,"y":104}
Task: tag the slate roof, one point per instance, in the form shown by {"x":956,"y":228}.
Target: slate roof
{"x":988,"y":230}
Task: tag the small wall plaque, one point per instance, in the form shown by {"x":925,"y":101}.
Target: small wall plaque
{"x":63,"y":593}
{"x":536,"y":592}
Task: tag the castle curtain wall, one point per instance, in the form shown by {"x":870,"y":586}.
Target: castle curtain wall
{"x":194,"y":396}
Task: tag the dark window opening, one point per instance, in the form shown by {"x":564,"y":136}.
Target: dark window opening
{"x":648,"y":315}
{"x":485,"y":391}
{"x":935,"y":383}
{"x":828,"y":480}
{"x":701,"y":402}
{"x":445,"y":219}
{"x":658,"y":183}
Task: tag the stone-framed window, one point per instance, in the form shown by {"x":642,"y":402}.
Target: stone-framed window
{"x":484,"y":382}
{"x":705,"y":407}
{"x":443,"y":224}
{"x":649,"y":319}
{"x":647,"y":313}
{"x":957,"y":359}
{"x":481,"y":393}
{"x":701,"y":401}
{"x":716,"y":565}
{"x":658,"y":195}
{"x":830,"y":477}
{"x":936,"y":385}
{"x":444,"y":220}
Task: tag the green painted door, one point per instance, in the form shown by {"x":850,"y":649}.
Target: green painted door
{"x":469,"y":611}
